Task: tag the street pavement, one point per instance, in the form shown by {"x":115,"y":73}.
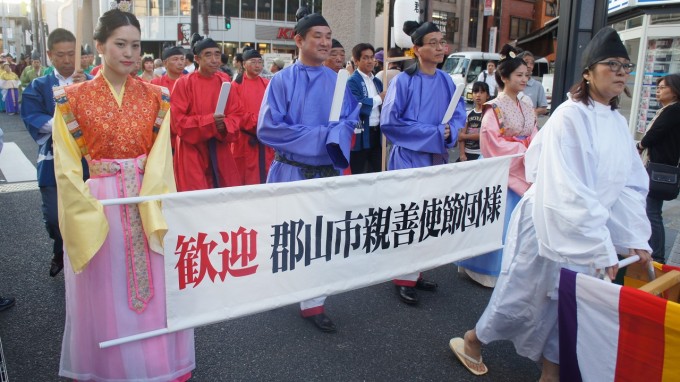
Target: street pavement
{"x":379,"y":338}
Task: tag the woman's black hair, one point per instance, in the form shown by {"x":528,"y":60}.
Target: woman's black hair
{"x":673,"y":82}
{"x":509,"y":62}
{"x":112,"y":20}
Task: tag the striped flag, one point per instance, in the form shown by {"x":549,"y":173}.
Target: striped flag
{"x":614,"y":333}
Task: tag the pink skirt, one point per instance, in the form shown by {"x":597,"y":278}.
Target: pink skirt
{"x":98,"y":309}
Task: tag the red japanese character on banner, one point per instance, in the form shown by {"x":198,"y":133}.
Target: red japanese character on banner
{"x":194,"y":260}
{"x":243,"y":248}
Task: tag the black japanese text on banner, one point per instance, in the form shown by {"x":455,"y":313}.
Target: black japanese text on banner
{"x":236,"y":251}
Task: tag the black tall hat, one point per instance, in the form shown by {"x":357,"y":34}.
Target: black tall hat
{"x":199,"y":43}
{"x":251,"y":53}
{"x":172,"y":51}
{"x":308,"y":20}
{"x":336,"y":44}
{"x":606,"y":43}
{"x":418,"y":31}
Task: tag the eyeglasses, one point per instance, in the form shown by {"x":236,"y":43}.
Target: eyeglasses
{"x":441,"y":43}
{"x":615,"y":66}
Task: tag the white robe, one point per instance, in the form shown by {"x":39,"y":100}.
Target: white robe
{"x":586,"y":205}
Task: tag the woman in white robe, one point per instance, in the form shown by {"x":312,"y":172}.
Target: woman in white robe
{"x":586,"y":205}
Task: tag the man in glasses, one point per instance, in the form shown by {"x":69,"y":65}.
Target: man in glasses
{"x":411,"y":119}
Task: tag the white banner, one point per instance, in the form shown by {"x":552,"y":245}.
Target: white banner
{"x":236,"y":251}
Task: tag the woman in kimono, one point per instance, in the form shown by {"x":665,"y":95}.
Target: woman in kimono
{"x":586,"y":204}
{"x":114,"y":274}
{"x":508,"y":125}
{"x":10,"y":89}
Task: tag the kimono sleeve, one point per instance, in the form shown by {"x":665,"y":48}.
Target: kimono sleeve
{"x":82,"y":220}
{"x":570,"y":221}
{"x":158,"y":179}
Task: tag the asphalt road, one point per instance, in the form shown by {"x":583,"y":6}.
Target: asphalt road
{"x":378,"y":339}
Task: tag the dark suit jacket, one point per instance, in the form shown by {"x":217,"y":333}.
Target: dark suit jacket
{"x":358,"y":88}
{"x":37,"y":107}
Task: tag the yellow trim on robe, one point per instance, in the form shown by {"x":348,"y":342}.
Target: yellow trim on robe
{"x":116,"y":96}
{"x":671,"y":356}
{"x":159,"y":178}
{"x":82,"y":220}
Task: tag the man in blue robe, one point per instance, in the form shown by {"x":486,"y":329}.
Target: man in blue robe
{"x":411,"y":119}
{"x":37,"y":111}
{"x":294,"y":121}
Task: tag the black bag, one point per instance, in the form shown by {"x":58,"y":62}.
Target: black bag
{"x":663,"y":181}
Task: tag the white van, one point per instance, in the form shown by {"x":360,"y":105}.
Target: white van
{"x":464,"y":67}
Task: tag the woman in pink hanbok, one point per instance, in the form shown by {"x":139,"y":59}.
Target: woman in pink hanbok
{"x":114,"y":274}
{"x":508,"y":126}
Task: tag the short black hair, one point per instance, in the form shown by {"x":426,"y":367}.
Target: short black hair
{"x":358,"y":48}
{"x":480,"y":86}
{"x":59,"y":35}
{"x":190,"y":57}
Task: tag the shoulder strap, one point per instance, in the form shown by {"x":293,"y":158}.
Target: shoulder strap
{"x":61,"y":100}
{"x":485,"y":74}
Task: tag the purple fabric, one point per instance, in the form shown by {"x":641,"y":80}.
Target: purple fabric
{"x":566,"y":321}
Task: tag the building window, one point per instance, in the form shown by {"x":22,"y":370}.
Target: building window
{"x":316,"y":6}
{"x":140,"y":8}
{"x":519,"y":27}
{"x":279,"y":10}
{"x":215,"y":8}
{"x":231,"y":8}
{"x":185,"y":7}
{"x":293,"y":6}
{"x":552,"y":8}
{"x":248,"y":9}
{"x":474,"y":21}
{"x":446,"y":22}
{"x":264,"y":9}
{"x":154,"y":8}
{"x":169,"y":7}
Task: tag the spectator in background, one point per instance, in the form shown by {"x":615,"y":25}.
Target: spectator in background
{"x":395,"y":64}
{"x":489,"y":77}
{"x":224,"y":68}
{"x":661,"y":144}
{"x":534,"y":89}
{"x":189,"y":65}
{"x":9,"y":81}
{"x":32,"y":72}
{"x":147,"y":69}
{"x":158,"y":68}
{"x":237,"y":63}
{"x":277,"y":65}
{"x":468,"y":138}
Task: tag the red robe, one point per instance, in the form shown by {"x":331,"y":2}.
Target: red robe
{"x":192,"y":106}
{"x":247,"y":148}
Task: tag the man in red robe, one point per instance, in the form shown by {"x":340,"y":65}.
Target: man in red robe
{"x":252,"y":157}
{"x":203,"y":156}
{"x":173,"y":60}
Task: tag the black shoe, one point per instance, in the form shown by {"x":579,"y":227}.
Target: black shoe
{"x":56,"y":266}
{"x":423,"y":284}
{"x":323,"y":322}
{"x":6,"y":303}
{"x":407,"y":294}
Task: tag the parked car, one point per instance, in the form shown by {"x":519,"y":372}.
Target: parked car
{"x":464,"y":67}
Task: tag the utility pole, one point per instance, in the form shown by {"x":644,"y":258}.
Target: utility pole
{"x":194,"y":17}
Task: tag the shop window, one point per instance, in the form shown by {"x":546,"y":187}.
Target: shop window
{"x":279,"y":10}
{"x":231,"y":8}
{"x":293,"y":6}
{"x":519,"y":27}
{"x":446,"y":22}
{"x":215,"y":8}
{"x":671,"y":18}
{"x":264,"y":9}
{"x":248,"y":9}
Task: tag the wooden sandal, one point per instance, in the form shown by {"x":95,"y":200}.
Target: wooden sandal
{"x":457,"y":345}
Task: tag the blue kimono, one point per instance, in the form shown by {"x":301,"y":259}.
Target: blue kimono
{"x":411,"y":119}
{"x":294,"y":121}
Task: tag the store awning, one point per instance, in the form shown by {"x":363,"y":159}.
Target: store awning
{"x":540,"y":42}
